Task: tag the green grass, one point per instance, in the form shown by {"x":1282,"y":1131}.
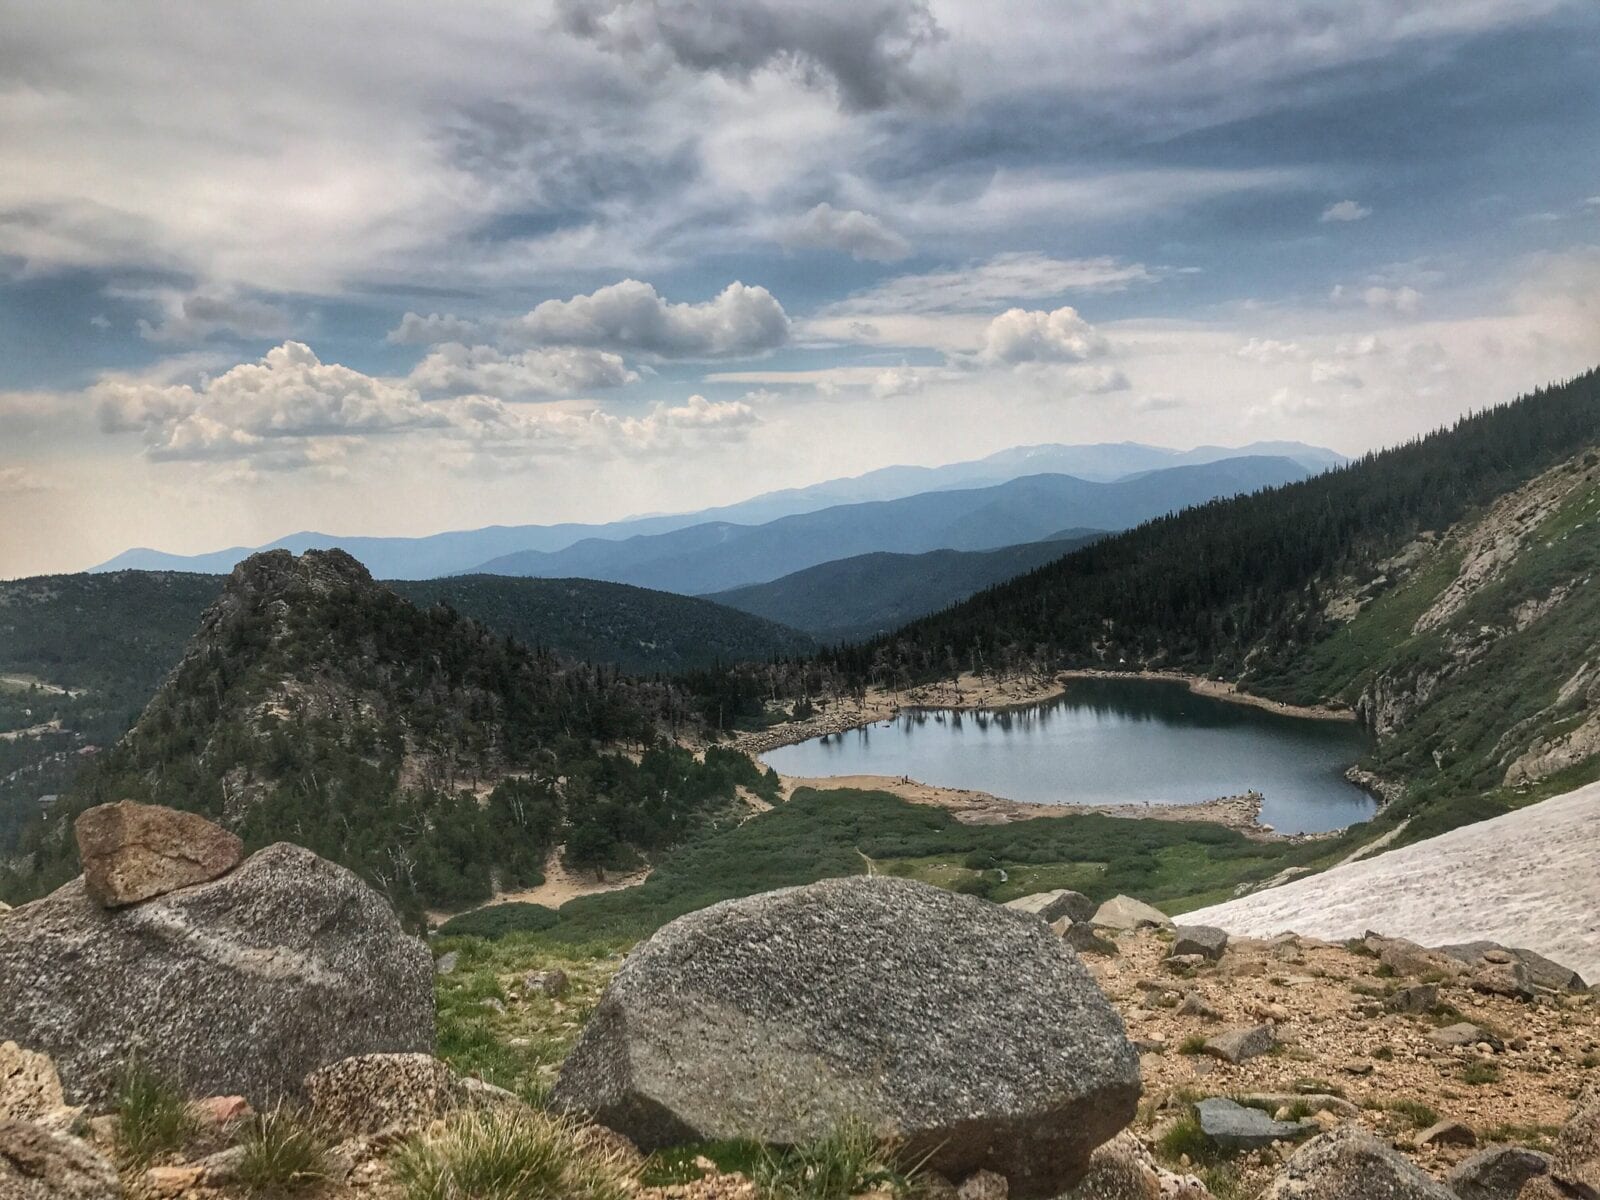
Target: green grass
{"x":1414,"y":1111}
{"x":153,"y":1116}
{"x":676,"y":1164}
{"x":498,"y":1155}
{"x":1480,"y":1072}
{"x":284,"y":1152}
{"x":848,"y":1161}
{"x":1537,"y":1137}
{"x":1185,"y":1139}
{"x":497,"y":920}
{"x":1195,"y":1043}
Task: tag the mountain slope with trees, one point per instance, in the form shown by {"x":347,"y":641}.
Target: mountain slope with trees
{"x":435,"y":757}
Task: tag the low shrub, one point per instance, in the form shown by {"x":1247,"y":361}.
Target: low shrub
{"x":497,"y":1155}
{"x":497,"y":920}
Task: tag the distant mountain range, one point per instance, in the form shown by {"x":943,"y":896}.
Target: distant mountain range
{"x":851,"y":599}
{"x":719,"y":555}
{"x":463,"y":551}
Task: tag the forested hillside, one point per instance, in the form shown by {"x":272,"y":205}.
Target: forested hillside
{"x":1441,"y":587}
{"x":412,"y":744}
{"x":870,"y":594}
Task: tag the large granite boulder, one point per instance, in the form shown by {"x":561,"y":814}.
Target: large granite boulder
{"x":1124,"y":913}
{"x":1053,"y":905}
{"x":1575,"y":1162}
{"x":1351,"y":1164}
{"x":238,"y":986}
{"x":969,"y":1032}
{"x":44,"y":1164}
{"x":132,"y":852}
{"x":1497,"y":1173}
{"x":1541,"y":972}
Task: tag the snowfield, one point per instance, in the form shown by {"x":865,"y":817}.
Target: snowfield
{"x":1530,"y":878}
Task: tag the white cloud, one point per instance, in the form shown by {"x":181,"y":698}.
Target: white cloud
{"x":1270,"y":350}
{"x":986,"y":285}
{"x":454,"y":369}
{"x":275,"y":405}
{"x":1346,"y":210}
{"x":19,"y":481}
{"x":1400,"y":299}
{"x":1326,"y":371}
{"x":741,"y":321}
{"x":850,"y":231}
{"x":1021,"y":336}
{"x":418,"y":330}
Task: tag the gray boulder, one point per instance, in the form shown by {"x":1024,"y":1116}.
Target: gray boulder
{"x":1419,"y":998}
{"x":1351,"y":1164}
{"x":972,"y":1034}
{"x":1497,"y":1173}
{"x":1203,"y":940}
{"x":1052,"y":906}
{"x":1542,"y":972}
{"x":1082,"y":937}
{"x":1233,"y":1126}
{"x":1124,"y":912}
{"x":1236,"y":1045}
{"x":238,"y":986}
{"x":42,"y":1164}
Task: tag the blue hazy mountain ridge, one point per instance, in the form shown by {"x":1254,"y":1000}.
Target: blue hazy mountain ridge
{"x":459,"y":551}
{"x":851,"y":599}
{"x":720,"y":555}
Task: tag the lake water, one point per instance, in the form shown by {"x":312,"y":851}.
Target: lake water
{"x":1113,"y":741}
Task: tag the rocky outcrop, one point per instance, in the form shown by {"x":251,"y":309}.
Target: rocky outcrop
{"x":1575,"y":1162}
{"x":1541,"y":972}
{"x":1053,"y":905}
{"x":1124,"y":913}
{"x":132,"y":852}
{"x":1351,"y":1164}
{"x":42,"y":1164}
{"x":241,"y":985}
{"x":971,"y":1033}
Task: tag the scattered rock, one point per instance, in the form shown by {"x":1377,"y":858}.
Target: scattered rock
{"x":1123,"y":1169}
{"x":1447,"y":1133}
{"x":1509,"y":979}
{"x":551,"y":983}
{"x":1081,"y":936}
{"x":42,"y":1164}
{"x":1464,"y":1033}
{"x":1052,"y":906}
{"x":373,"y":1094}
{"x":1232,"y":1126}
{"x":1351,"y":1164}
{"x":30,"y":1090}
{"x":1410,"y":960}
{"x":983,"y":1185}
{"x":1194,"y":1006}
{"x":1204,"y":940}
{"x":216,"y":1111}
{"x":1497,"y":1173}
{"x":1184,"y":964}
{"x":238,"y":986}
{"x":133,"y":852}
{"x":1315,"y":1101}
{"x":1236,"y":1045}
{"x":173,"y":1180}
{"x":1542,"y":972}
{"x":1419,"y":998}
{"x":446,"y":963}
{"x":769,"y":1016}
{"x":222,"y":1167}
{"x":1124,"y":912}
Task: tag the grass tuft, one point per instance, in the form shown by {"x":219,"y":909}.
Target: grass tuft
{"x":283,"y":1152}
{"x":153,"y":1116}
{"x":499,"y":1155}
{"x":846,"y":1162}
{"x":1480,"y":1072}
{"x":1414,"y":1111}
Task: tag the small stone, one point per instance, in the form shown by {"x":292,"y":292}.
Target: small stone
{"x":1464,"y":1033}
{"x":1447,"y":1133}
{"x":1237,"y":1045}
{"x":223,"y":1166}
{"x":220,"y":1110}
{"x":1204,"y":940}
{"x":551,"y":983}
{"x":173,"y":1181}
{"x":1194,"y":1006}
{"x":1232,"y":1126}
{"x":1124,"y":912}
{"x":983,"y":1185}
{"x":1081,"y":936}
{"x":446,"y":963}
{"x":1183,"y":964}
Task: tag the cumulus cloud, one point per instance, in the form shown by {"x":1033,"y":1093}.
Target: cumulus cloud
{"x":872,"y":52}
{"x":287,"y":397}
{"x":1344,"y":211}
{"x":200,"y":315}
{"x":850,"y":231}
{"x":1019,"y":336}
{"x":494,"y":429}
{"x":418,"y":330}
{"x":985,"y":285}
{"x":1325,"y":371}
{"x":455,"y":369}
{"x":631,"y":316}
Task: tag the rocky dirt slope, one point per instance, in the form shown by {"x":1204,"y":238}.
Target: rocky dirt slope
{"x":1528,"y":878}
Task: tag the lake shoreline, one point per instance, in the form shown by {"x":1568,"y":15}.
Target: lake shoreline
{"x":972,"y":807}
{"x":1220,"y":689}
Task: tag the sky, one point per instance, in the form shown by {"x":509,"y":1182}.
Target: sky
{"x":395,"y":268}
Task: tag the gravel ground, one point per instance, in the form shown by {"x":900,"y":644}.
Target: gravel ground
{"x":1530,"y":878}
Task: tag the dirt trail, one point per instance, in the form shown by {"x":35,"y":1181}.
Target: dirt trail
{"x":1527,"y":878}
{"x":562,"y":884}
